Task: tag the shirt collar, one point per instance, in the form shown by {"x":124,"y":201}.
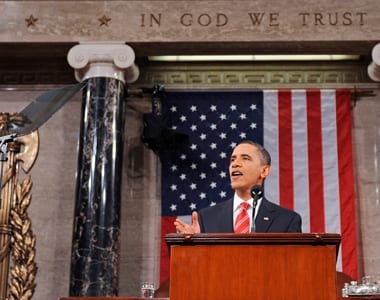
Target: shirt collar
{"x":238,"y":201}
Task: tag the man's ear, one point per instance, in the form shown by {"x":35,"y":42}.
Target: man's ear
{"x":265,"y":171}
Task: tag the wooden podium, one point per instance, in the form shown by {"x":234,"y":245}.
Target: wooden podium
{"x":270,"y":266}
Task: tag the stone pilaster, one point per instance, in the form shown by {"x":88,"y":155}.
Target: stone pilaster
{"x":95,"y":246}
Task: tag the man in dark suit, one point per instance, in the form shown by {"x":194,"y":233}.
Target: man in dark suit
{"x":250,"y":164}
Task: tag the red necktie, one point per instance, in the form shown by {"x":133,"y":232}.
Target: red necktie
{"x":242,"y":219}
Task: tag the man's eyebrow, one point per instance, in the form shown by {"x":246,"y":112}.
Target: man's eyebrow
{"x":242,"y":155}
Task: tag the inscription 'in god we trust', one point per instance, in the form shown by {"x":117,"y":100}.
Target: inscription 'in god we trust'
{"x":272,"y":19}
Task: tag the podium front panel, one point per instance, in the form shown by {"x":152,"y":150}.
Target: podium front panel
{"x":242,"y":272}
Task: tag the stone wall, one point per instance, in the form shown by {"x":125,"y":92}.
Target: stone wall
{"x":168,"y":21}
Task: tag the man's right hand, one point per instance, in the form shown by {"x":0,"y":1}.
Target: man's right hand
{"x":185,"y":228}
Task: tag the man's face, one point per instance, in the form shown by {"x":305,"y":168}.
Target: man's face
{"x":246,"y":169}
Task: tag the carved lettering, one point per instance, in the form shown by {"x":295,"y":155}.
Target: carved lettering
{"x":152,"y":20}
{"x":347,"y":19}
{"x":258,"y":18}
{"x":273,"y":19}
{"x":204,"y":20}
{"x":186,"y":20}
{"x":318,"y":19}
{"x":304,"y":18}
{"x":332,"y":18}
{"x":361,"y":17}
{"x":221,"y":20}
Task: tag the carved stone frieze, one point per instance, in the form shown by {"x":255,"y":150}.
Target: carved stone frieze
{"x":56,"y":70}
{"x":254,"y":75}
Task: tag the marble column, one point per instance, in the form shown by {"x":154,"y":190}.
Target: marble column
{"x":95,"y":246}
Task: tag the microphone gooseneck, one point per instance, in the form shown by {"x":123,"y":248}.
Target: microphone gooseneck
{"x":256,"y":193}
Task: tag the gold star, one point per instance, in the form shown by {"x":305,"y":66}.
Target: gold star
{"x":104,"y":20}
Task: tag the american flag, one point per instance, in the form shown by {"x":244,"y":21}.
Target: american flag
{"x":307,"y":133}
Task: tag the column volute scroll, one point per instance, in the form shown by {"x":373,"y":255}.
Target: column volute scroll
{"x":109,"y":59}
{"x":374,"y":67}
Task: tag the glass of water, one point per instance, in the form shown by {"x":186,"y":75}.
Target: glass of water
{"x":147,"y":290}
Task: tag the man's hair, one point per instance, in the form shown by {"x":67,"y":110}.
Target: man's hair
{"x":263,"y":153}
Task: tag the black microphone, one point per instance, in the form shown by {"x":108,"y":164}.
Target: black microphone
{"x":257,"y":193}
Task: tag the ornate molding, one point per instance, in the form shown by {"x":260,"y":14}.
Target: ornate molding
{"x":275,"y":75}
{"x":17,"y":241}
{"x":255,"y":75}
{"x":24,"y":268}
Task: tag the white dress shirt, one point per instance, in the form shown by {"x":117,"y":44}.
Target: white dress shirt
{"x":236,"y":208}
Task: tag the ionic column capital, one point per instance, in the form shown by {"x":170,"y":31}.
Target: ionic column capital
{"x":374,"y":67}
{"x":103,"y":59}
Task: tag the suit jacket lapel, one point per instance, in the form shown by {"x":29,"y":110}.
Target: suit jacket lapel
{"x":264,"y":217}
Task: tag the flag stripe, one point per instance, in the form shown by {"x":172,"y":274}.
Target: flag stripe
{"x":317,"y":220}
{"x":330,"y":167}
{"x":285,"y":139}
{"x":330,"y":161}
{"x":300,"y":156}
{"x":270,"y":143}
{"x":346,"y":186}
